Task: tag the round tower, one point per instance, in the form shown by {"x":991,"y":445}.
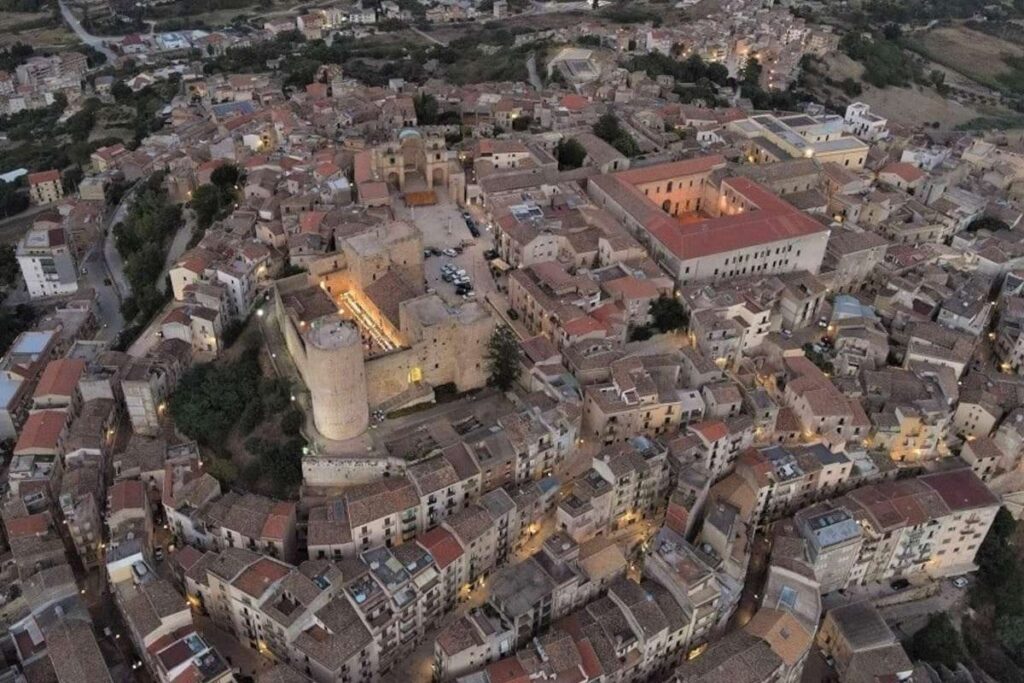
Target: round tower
{"x":336,"y":379}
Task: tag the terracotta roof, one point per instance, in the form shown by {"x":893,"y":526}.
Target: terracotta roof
{"x":960,"y":489}
{"x":30,"y":525}
{"x":259,"y":576}
{"x":442,"y":545}
{"x":712,"y":430}
{"x":508,"y":670}
{"x":908,"y":172}
{"x":129,"y":494}
{"x":44,"y":177}
{"x":42,"y":430}
{"x":783,"y":632}
{"x":574,"y":102}
{"x":278,"y":521}
{"x":674,"y":169}
{"x":60,"y":378}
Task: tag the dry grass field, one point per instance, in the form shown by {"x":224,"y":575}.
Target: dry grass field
{"x":976,"y":55}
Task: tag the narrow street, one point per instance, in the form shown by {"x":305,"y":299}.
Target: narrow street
{"x":418,"y":665}
{"x":178,"y":246}
{"x":113,"y":259}
{"x":108,"y":303}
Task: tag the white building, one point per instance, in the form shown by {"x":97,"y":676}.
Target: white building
{"x":861,"y":122}
{"x":46,"y":263}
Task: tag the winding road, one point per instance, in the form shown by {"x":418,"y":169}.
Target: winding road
{"x":96,"y":42}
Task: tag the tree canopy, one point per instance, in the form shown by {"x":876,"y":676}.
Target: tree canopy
{"x":503,"y":355}
{"x":938,"y":642}
{"x":210,"y":398}
{"x":668,"y":314}
{"x":570,"y":154}
{"x":611,"y":131}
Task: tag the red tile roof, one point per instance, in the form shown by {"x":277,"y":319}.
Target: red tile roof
{"x":574,"y":102}
{"x":960,"y":489}
{"x":276,"y":525}
{"x":583,"y":325}
{"x":508,"y":670}
{"x":42,"y":430}
{"x":31,"y":525}
{"x":711,"y":430}
{"x":772,"y":221}
{"x":129,"y":494}
{"x":442,"y":545}
{"x":259,"y":576}
{"x":908,"y":172}
{"x":674,"y":169}
{"x":60,"y":378}
{"x":43,"y":177}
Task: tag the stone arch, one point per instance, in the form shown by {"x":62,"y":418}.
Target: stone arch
{"x":437,"y":177}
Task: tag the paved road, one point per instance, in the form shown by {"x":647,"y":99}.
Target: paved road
{"x":107,"y":300}
{"x":113,"y":259}
{"x":531,"y":67}
{"x":177,"y":248}
{"x":83,"y":35}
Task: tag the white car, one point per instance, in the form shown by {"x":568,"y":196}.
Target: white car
{"x":450,"y":252}
{"x":960,"y":582}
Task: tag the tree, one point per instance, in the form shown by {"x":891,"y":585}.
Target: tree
{"x":751,"y":71}
{"x":503,"y":353}
{"x":1010,"y":631}
{"x":207,"y":202}
{"x":668,"y":314}
{"x":938,"y":642}
{"x":292,"y":421}
{"x":11,"y":200}
{"x":226,"y":177}
{"x":521,"y":123}
{"x":210,"y":398}
{"x":987,"y":223}
{"x":71,"y":178}
{"x":570,"y":154}
{"x":996,"y":558}
{"x":426,"y":109}
{"x":607,"y":127}
{"x":9,"y":269}
{"x":641,"y":333}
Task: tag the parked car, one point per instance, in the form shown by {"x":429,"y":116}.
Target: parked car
{"x":960,"y":582}
{"x":450,"y":252}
